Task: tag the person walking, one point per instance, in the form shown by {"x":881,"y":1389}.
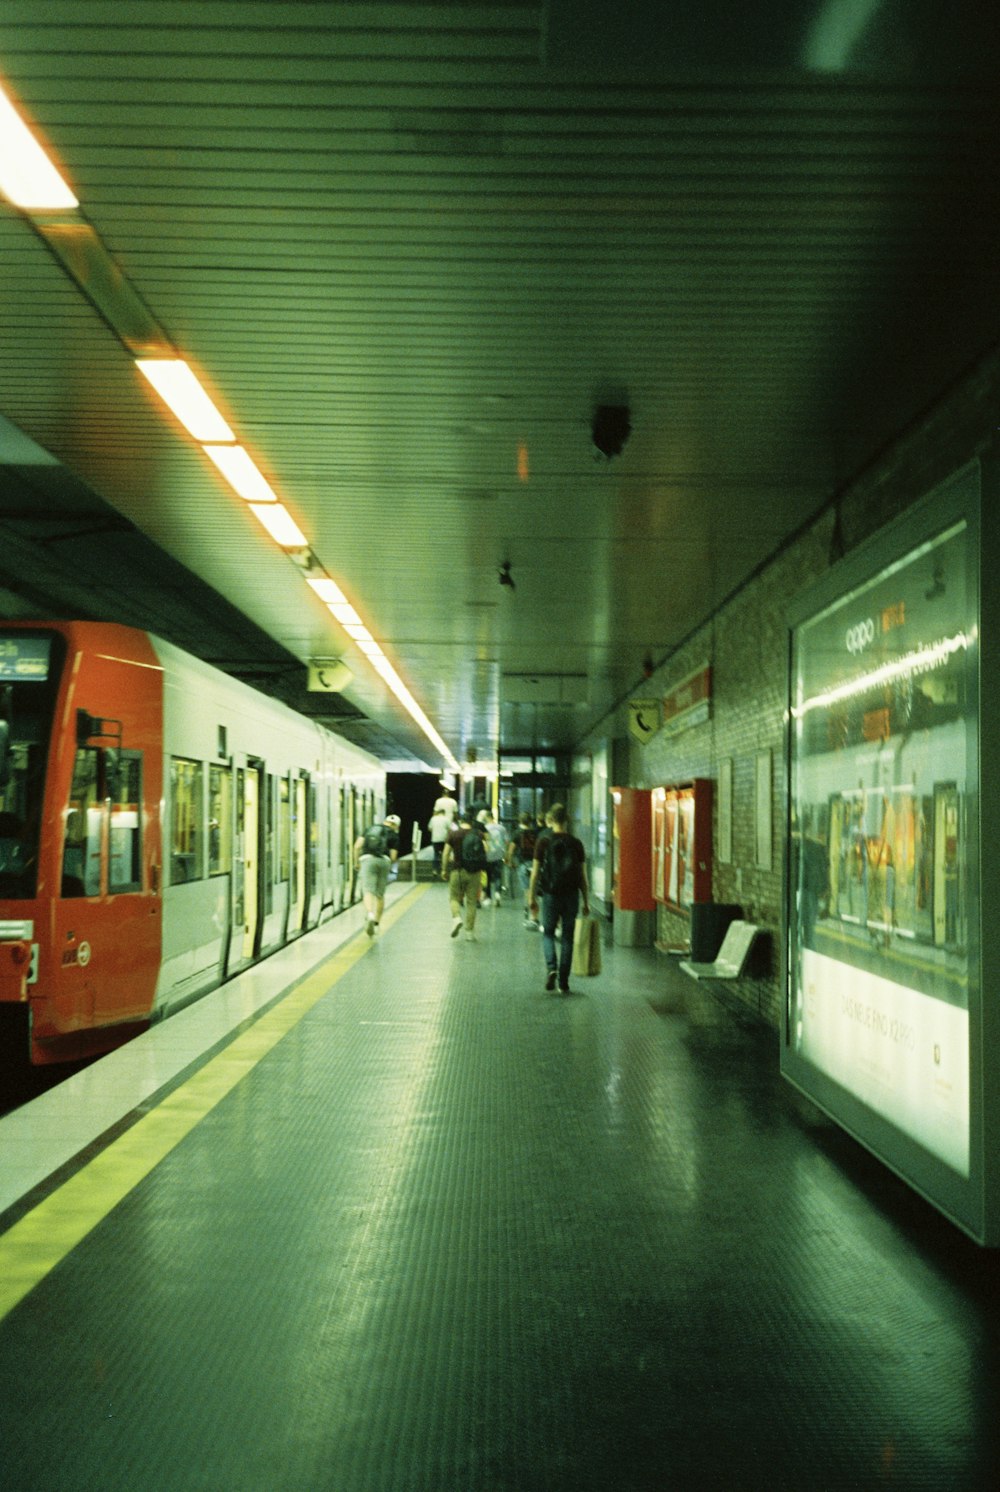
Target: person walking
{"x":520,"y":854}
{"x":374,"y":852}
{"x":462,"y":864}
{"x":496,"y":848}
{"x":559,"y":872}
{"x":438,"y":828}
{"x":446,"y":804}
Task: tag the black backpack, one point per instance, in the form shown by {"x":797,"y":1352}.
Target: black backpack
{"x":374,"y":842}
{"x":473,"y":851}
{"x":560,"y":869}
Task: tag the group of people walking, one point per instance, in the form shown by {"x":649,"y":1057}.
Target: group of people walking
{"x":550,"y":865}
{"x":471,"y":850}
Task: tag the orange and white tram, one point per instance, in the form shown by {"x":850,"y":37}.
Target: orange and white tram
{"x":162,"y":826}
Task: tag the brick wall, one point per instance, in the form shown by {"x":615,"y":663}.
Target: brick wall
{"x":746,"y":645}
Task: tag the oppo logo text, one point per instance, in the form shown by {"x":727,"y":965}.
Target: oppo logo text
{"x":860,"y":636}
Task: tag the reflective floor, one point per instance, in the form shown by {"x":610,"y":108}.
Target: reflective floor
{"x":423,"y":1225}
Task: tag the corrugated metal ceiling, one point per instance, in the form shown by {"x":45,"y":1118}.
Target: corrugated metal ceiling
{"x":410,"y":248}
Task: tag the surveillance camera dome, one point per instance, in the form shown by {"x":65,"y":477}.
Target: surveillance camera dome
{"x":611,"y":428}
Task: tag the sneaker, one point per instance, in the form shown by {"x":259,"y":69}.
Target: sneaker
{"x":564,"y":989}
{"x":470,"y":937}
{"x":550,"y":980}
{"x":370,"y":926}
{"x":456,"y":926}
{"x":496,"y":899}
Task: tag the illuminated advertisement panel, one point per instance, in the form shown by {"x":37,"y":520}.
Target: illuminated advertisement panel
{"x":881,"y":952}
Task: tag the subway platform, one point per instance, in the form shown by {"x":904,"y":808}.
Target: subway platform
{"x":388,"y":1217}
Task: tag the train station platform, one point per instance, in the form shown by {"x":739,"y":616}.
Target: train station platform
{"x":405,"y":1222}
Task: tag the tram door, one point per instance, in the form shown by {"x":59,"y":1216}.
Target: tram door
{"x":299,"y":856}
{"x":107,"y":920}
{"x":251,"y":852}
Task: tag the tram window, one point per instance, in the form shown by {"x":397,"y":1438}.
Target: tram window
{"x":269,"y":846}
{"x":284,"y":831}
{"x":124,"y":790}
{"x":19,"y":819}
{"x":220,"y":821}
{"x":313,"y":811}
{"x":81,"y":871}
{"x":186,"y":857}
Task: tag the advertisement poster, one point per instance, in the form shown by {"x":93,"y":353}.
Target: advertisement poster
{"x":884,"y":719}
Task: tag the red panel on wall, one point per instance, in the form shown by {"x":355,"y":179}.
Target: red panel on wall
{"x":632,"y":849}
{"x":681,"y":840}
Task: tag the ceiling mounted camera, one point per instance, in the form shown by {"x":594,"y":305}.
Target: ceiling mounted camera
{"x":611,"y":428}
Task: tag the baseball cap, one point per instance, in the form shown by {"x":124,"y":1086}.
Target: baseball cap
{"x":393,"y":819}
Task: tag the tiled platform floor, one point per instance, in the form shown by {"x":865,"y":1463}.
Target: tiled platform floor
{"x":451,"y":1232}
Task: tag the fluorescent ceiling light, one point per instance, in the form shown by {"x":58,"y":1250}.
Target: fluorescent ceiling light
{"x":27,"y":176}
{"x":328,"y":590}
{"x":280,"y":525}
{"x":395,"y":683}
{"x":180,"y":390}
{"x":242,"y":473}
{"x":345,"y":613}
{"x":370,"y":648}
{"x":357,"y":631}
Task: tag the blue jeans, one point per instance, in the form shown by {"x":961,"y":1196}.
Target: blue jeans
{"x":556,"y":909}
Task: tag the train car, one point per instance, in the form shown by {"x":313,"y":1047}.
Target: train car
{"x":162,"y":826}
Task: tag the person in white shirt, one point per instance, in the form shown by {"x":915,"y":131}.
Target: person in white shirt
{"x":446,"y":804}
{"x":439,"y":826}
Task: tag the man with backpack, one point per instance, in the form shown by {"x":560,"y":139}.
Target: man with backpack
{"x":374,"y":852}
{"x":559,"y":872}
{"x":462,"y":864}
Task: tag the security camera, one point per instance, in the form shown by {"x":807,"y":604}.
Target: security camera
{"x":611,"y":429}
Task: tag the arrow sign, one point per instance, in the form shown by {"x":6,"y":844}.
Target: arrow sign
{"x":643,"y":718}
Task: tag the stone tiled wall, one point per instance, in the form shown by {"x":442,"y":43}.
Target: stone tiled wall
{"x":746,"y":644}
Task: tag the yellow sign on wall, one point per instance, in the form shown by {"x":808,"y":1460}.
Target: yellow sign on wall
{"x":328,"y":675}
{"x":643,"y":719}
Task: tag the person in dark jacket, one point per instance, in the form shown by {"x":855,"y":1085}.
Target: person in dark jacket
{"x":559,"y":871}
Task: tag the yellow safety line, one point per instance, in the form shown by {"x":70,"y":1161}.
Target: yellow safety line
{"x":43,"y":1237}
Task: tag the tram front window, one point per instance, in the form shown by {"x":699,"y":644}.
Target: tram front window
{"x":30,"y":665}
{"x":20,"y":821}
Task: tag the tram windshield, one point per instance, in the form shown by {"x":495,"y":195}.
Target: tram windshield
{"x":30,"y":666}
{"x":884,"y":736}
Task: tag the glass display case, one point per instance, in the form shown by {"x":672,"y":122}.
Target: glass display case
{"x":883,"y":964}
{"x":682,"y":843}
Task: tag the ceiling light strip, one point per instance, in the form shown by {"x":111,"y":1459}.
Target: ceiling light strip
{"x":28,"y":178}
{"x":178,"y":387}
{"x":340,"y":607}
{"x":280,"y":525}
{"x":30,"y":181}
{"x":242,"y":473}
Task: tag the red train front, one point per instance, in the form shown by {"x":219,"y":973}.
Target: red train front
{"x":81,"y":767}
